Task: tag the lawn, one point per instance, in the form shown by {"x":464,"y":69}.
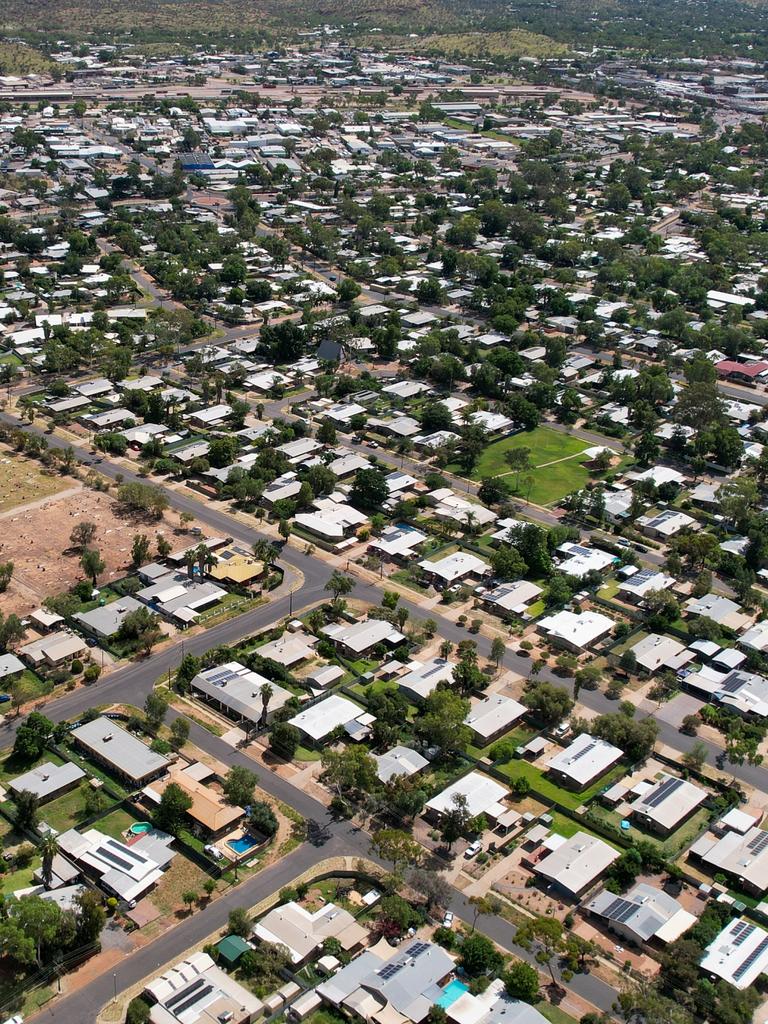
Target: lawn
{"x":182,"y":876}
{"x":306,"y":754}
{"x":673,"y":844}
{"x":406,"y":578}
{"x":551,"y":478}
{"x":554,"y":1014}
{"x":517,"y":737}
{"x":21,"y":481}
{"x":21,"y":879}
{"x":544,"y":786}
{"x":116,"y":823}
{"x":68,"y":810}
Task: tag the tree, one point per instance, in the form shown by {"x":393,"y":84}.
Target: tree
{"x":27,"y":809}
{"x":139,"y":550}
{"x":174,"y":804}
{"x":239,"y":922}
{"x":498,"y":649}
{"x":455,"y":820}
{"x":284,"y":740}
{"x":396,"y":846}
{"x":145,"y":498}
{"x":484,"y":905}
{"x":545,"y":935}
{"x":31,"y":737}
{"x":89,"y":916}
{"x":326,"y":432}
{"x":164,"y":546}
{"x":635,"y":738}
{"x":82,"y":535}
{"x":479,"y":956}
{"x":265,"y":692}
{"x":11,"y":631}
{"x":262,"y":818}
{"x":521,"y":981}
{"x":92,"y":564}
{"x":369,"y":490}
{"x":48,"y":847}
{"x":549,"y":704}
{"x":434,"y":887}
{"x":238,"y":787}
{"x":350,"y":770}
{"x":467,"y":677}
{"x":155,"y":708}
{"x":519,"y":461}
{"x":442,"y":721}
{"x":339,"y":585}
{"x":696,"y":757}
{"x":179,"y":732}
{"x":189,"y":896}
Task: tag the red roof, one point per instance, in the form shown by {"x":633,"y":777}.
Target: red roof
{"x":745,"y":369}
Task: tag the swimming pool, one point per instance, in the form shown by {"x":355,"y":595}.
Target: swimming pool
{"x":242,"y":845}
{"x":140,"y":828}
{"x":451,"y":993}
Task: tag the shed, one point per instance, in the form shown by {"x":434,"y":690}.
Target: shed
{"x":231,"y":948}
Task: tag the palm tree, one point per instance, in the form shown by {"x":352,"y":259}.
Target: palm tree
{"x":263,"y":552}
{"x":190,"y":561}
{"x":445,"y":649}
{"x":48,"y":847}
{"x":205,"y":559}
{"x":266,"y":692}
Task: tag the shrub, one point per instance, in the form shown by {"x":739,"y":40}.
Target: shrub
{"x":76,"y":667}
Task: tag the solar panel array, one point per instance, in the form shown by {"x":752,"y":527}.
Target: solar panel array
{"x":733,"y":683}
{"x":642,"y":576}
{"x":580,"y":753}
{"x":389,"y":971}
{"x":417,"y":949}
{"x":223,"y":677}
{"x":185,"y":993}
{"x":756,"y":953}
{"x":620,"y":910}
{"x":190,"y":1002}
{"x":667,"y":788}
{"x":759,"y":843}
{"x":742,"y":932}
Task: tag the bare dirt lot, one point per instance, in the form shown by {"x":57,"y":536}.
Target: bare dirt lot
{"x":36,"y":539}
{"x":23,"y":481}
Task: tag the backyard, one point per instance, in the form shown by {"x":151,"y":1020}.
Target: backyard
{"x":543,"y":786}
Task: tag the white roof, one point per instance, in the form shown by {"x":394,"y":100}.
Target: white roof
{"x":456,"y":566}
{"x":585,"y":759}
{"x":399,"y":760}
{"x":579,"y":630}
{"x":739,"y":954}
{"x":577,"y":862}
{"x":482,"y":794}
{"x":325,"y":716}
{"x":489,"y":716}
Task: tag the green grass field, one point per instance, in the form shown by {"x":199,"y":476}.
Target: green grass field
{"x":541,"y":784}
{"x":551,"y":478}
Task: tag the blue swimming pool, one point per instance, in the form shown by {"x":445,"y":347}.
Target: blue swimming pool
{"x":242,"y":845}
{"x":451,"y":993}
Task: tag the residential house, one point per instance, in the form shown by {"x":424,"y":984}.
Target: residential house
{"x":303,"y":932}
{"x":209,"y":812}
{"x":575,"y":631}
{"x":48,"y":781}
{"x":483,"y":796}
{"x":742,"y":855}
{"x":398,"y":761}
{"x":459,"y":567}
{"x":668,"y":804}
{"x":493,"y":716}
{"x":128,"y":758}
{"x":127,"y":872}
{"x":54,"y":650}
{"x":576,"y":864}
{"x":423,"y":676}
{"x":359,"y":638}
{"x":196,"y":991}
{"x":319,"y":720}
{"x":738,"y":955}
{"x":584,"y":761}
{"x":642,"y":915}
{"x":237,"y":692}
{"x":103,"y":622}
{"x":512,"y":598}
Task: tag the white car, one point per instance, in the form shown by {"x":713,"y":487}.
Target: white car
{"x":213,"y":851}
{"x":473,"y":850}
{"x":17,"y":1019}
{"x":448,"y":919}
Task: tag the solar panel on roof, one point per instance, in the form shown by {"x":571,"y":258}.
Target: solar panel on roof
{"x":758,"y":844}
{"x":626,"y":912}
{"x":418,"y":948}
{"x":389,"y":971}
{"x":753,"y":956}
{"x":733,"y":684}
{"x":744,"y":934}
{"x":183,"y":1007}
{"x":667,"y":788}
{"x":580,"y":753}
{"x":184,"y":993}
{"x":616,"y":906}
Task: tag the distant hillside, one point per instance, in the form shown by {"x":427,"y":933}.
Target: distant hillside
{"x":661,"y":27}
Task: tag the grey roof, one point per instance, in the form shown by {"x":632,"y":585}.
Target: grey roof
{"x":643,"y":910}
{"x":106,"y":621}
{"x":10,"y":665}
{"x":47,"y":779}
{"x":117,"y":747}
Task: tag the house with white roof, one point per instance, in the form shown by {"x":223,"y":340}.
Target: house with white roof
{"x":422,"y":677}
{"x":583,"y":761}
{"x":637,"y":586}
{"x":457,"y":567}
{"x":357,"y":638}
{"x":511,"y":598}
{"x":720,"y":609}
{"x":334,"y":712}
{"x":197,"y":991}
{"x":656,"y":651}
{"x":127,"y":872}
{"x":576,"y":863}
{"x":738,"y":955}
{"x":575,"y":631}
{"x":666,"y":524}
{"x":642,"y":915}
{"x":302,"y":932}
{"x":398,"y":761}
{"x":492,"y":716}
{"x":483,"y":796}
{"x":397,"y":543}
{"x":237,"y":691}
{"x":668,"y":803}
{"x":742,"y":855}
{"x":578,"y":560}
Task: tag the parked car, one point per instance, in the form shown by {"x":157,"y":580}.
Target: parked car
{"x":473,"y":850}
{"x":448,"y":919}
{"x":4,"y":698}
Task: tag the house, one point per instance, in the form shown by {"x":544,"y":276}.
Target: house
{"x":105,"y":621}
{"x":720,"y":609}
{"x":288,"y":650}
{"x":583,"y":761}
{"x":656,"y":651}
{"x":303,"y":932}
{"x":398,"y":761}
{"x":213,"y":416}
{"x":643,"y":914}
{"x":127,"y":872}
{"x":358,"y":638}
{"x":423,"y":676}
{"x":666,"y":524}
{"x":667,"y":804}
{"x":48,"y":781}
{"x":54,"y":649}
{"x":511,"y":598}
{"x":178,"y":598}
{"x":196,"y":991}
{"x":745,"y":692}
{"x":10,"y":668}
{"x":636,"y":587}
{"x":450,"y":507}
{"x":111,"y":745}
{"x":454,"y":568}
{"x":398,"y":543}
{"x":576,"y":863}
{"x":383,"y":985}
{"x":577,"y":560}
{"x":237,"y":691}
{"x":491,"y":717}
{"x":743,"y":855}
{"x":575,"y":631}
{"x":236,"y":565}
{"x":332,"y":521}
{"x":738,"y":955}
{"x":209,"y":811}
{"x":756,"y":637}
{"x":483,"y":796}
{"x":334,"y":712}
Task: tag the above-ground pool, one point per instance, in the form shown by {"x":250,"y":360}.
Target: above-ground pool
{"x":451,"y":993}
{"x":242,"y":845}
{"x":139,"y":828}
